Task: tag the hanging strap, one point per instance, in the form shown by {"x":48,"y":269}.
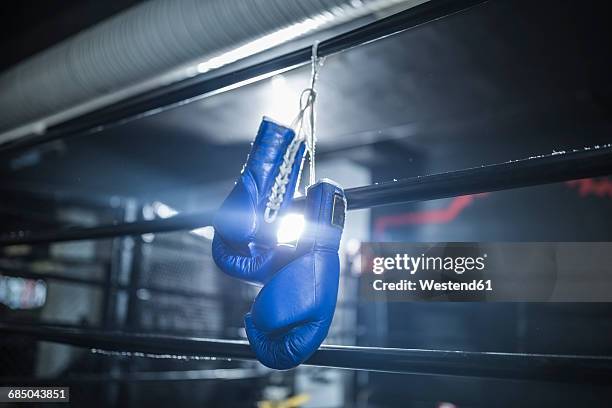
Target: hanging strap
{"x":304,"y":127}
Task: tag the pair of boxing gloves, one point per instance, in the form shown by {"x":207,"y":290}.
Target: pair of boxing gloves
{"x":292,"y":313}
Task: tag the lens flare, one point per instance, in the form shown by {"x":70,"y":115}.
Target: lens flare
{"x":290,"y":229}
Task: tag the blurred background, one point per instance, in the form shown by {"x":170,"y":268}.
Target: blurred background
{"x":503,"y":80}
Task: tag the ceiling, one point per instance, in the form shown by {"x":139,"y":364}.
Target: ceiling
{"x":503,"y":80}
{"x":30,"y":26}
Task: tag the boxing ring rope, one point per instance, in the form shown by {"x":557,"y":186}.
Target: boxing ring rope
{"x":545,"y":169}
{"x":556,"y":167}
{"x":198,"y":87}
{"x":516,"y":366}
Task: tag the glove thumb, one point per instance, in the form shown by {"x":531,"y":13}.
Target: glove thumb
{"x":286,"y":349}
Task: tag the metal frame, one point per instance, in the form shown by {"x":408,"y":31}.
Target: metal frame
{"x":515,"y":366}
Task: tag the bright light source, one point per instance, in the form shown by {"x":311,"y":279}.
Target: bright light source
{"x":148,"y":212}
{"x":282,"y":103}
{"x":20,"y":293}
{"x":207,"y":232}
{"x":290,"y":229}
{"x":164,"y":211}
{"x":337,"y":15}
{"x":148,"y":238}
{"x":279,"y":82}
{"x":143,"y":294}
{"x":263,"y":43}
{"x":352,"y":246}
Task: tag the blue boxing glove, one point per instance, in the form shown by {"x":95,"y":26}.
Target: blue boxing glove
{"x":244,"y":243}
{"x":292,"y":313}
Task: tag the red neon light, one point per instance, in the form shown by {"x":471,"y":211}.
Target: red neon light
{"x":437,"y":216}
{"x":585,"y":187}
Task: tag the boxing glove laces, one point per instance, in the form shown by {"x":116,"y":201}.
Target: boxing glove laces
{"x":245,"y":226}
{"x":292,"y":313}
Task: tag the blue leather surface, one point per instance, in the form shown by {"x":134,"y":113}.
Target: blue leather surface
{"x":244,"y":243}
{"x":292,"y":313}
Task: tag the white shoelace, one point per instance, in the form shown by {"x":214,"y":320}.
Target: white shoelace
{"x":304,"y":132}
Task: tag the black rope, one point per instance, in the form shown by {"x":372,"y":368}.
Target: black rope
{"x":517,"y":366}
{"x":545,"y":169}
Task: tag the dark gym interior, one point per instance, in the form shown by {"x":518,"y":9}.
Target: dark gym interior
{"x":500,"y":81}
